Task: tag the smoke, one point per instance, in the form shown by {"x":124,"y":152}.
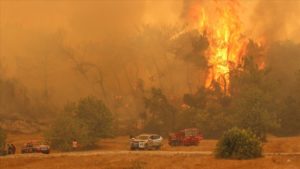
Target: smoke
{"x":65,"y":50}
{"x":187,"y":6}
{"x":271,"y":20}
{"x":276,"y":20}
{"x":277,"y":23}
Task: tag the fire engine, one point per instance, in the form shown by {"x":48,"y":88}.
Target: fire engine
{"x":186,"y":137}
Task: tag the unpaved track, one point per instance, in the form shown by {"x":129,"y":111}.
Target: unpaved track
{"x":162,"y":153}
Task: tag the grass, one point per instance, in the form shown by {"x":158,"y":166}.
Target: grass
{"x":142,"y":161}
{"x":149,"y":162}
{"x":274,"y":144}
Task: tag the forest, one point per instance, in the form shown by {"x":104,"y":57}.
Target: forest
{"x":143,"y":76}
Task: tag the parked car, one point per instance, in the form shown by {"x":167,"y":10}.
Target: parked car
{"x":43,"y":148}
{"x":28,"y":148}
{"x":35,"y":148}
{"x":146,"y":142}
{"x":186,"y":137}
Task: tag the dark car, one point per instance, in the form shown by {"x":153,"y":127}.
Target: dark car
{"x":28,"y":148}
{"x":35,"y":148}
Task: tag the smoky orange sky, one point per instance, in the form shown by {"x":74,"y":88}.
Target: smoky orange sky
{"x":42,"y":42}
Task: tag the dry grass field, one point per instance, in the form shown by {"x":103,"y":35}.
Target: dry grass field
{"x":274,"y":144}
{"x":149,"y":162}
{"x":154,"y":161}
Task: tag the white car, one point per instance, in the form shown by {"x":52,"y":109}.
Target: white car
{"x":146,"y":142}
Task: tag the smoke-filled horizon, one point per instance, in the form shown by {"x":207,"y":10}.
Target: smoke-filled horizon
{"x":65,"y":50}
{"x":46,"y":40}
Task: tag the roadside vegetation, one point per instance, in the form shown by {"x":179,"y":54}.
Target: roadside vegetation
{"x":85,"y":121}
{"x":239,"y":144}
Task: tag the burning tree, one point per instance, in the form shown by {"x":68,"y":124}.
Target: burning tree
{"x":235,"y":82}
{"x":227,"y":43}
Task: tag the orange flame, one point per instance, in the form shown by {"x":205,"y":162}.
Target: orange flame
{"x":227,"y":46}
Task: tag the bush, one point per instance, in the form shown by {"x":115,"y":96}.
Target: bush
{"x":85,"y":121}
{"x":94,"y":113}
{"x":239,"y":144}
{"x":2,"y":138}
{"x":65,"y":129}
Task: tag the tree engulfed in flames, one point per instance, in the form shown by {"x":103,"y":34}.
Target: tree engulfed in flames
{"x":227,"y":46}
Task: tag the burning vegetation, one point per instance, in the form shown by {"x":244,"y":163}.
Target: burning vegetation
{"x":210,"y":65}
{"x":227,"y":41}
{"x":227,"y":44}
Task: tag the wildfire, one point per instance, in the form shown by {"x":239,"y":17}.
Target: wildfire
{"x":227,"y":46}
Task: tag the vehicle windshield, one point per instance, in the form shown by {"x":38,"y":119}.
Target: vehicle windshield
{"x":142,"y":137}
{"x":191,"y":132}
{"x":43,"y":143}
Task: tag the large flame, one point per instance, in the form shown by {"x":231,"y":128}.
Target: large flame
{"x":227,"y":46}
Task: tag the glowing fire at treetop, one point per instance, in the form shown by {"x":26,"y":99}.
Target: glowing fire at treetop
{"x":227,"y":46}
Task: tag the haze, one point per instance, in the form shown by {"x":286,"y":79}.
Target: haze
{"x":66,"y":50}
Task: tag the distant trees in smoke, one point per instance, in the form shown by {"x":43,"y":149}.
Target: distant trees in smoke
{"x":14,"y":100}
{"x":152,"y":81}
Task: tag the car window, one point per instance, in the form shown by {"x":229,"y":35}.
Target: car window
{"x":191,"y":132}
{"x":154,"y":137}
{"x":142,"y":137}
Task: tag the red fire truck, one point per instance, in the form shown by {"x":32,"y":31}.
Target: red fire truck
{"x":186,"y":137}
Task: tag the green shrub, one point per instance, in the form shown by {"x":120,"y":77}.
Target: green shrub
{"x":85,"y":121}
{"x":96,"y":115}
{"x":65,"y":129}
{"x":239,"y":144}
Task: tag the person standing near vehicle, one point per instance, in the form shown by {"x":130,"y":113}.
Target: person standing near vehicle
{"x":13,"y":147}
{"x":8,"y":149}
{"x":74,"y":144}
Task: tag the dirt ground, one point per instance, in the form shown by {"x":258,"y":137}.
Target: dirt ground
{"x":149,"y":162}
{"x":155,"y":161}
{"x":273,"y":145}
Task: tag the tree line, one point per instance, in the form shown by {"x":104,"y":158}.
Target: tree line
{"x":262,"y":100}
